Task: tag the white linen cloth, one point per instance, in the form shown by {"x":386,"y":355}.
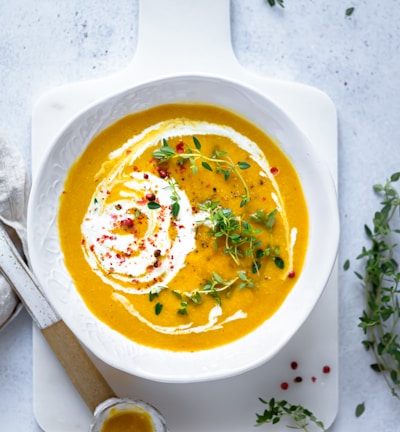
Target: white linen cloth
{"x":14,"y":193}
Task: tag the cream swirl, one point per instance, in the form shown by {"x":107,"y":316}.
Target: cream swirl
{"x":126,"y":243}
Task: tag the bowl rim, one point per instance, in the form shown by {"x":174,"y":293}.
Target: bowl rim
{"x":217,"y":372}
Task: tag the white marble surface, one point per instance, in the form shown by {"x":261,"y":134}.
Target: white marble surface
{"x":355,"y":60}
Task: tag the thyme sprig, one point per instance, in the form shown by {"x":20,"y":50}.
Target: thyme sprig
{"x":175,"y":198}
{"x":219,"y":158}
{"x":380,"y":319}
{"x":300,"y":416}
{"x":213,"y":287}
{"x":235,"y":233}
{"x":239,"y":236}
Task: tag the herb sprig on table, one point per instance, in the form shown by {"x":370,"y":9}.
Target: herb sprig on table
{"x":381,"y":278}
{"x":277,"y":410}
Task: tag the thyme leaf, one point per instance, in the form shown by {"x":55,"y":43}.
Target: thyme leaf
{"x":360,"y":408}
{"x":153,"y":205}
{"x":380,"y":280}
{"x":276,"y":2}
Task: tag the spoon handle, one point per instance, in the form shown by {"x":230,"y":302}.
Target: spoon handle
{"x":82,"y":372}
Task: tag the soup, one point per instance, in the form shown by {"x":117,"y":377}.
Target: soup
{"x":183,"y":227}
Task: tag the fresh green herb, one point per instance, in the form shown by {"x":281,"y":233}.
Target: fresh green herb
{"x":245,"y":281}
{"x":235,"y":233}
{"x":380,"y":319}
{"x":213,"y":287}
{"x":267,"y":219}
{"x":273,"y":253}
{"x":153,"y":205}
{"x":300,"y":416}
{"x":223,"y":163}
{"x":349,"y":11}
{"x":360,"y":408}
{"x":276,"y":2}
{"x":346,"y":265}
{"x":155,"y":291}
{"x":183,"y":309}
{"x":158,"y":308}
{"x":175,"y":208}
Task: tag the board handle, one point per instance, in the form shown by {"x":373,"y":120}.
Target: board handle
{"x":183,"y":36}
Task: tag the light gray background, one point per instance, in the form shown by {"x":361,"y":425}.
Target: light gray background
{"x":355,"y":60}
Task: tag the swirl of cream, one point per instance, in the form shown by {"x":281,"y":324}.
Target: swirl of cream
{"x":123,"y":256}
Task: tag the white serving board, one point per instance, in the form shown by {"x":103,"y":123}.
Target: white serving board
{"x":228,"y":404}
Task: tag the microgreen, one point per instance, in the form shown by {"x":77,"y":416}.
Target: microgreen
{"x":349,"y":11}
{"x":380,"y":279}
{"x":219,"y":159}
{"x":300,"y":416}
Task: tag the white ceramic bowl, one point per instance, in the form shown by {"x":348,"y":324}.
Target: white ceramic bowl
{"x":160,"y":365}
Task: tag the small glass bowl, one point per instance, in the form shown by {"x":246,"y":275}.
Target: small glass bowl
{"x":114,"y":406}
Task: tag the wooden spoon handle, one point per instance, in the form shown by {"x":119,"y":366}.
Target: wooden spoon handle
{"x":79,"y":367}
{"x":82,"y":372}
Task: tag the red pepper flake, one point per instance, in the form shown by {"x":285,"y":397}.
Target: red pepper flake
{"x":180,"y":147}
{"x":291,"y":274}
{"x":128,"y":151}
{"x":83,"y":241}
{"x":92,"y":248}
{"x":294,"y":365}
{"x":313,"y":379}
{"x":284,"y":386}
{"x":135,"y":168}
{"x":326,"y":369}
{"x":145,"y":176}
{"x":274,"y":171}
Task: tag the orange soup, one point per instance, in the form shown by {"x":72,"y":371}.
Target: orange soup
{"x":184,"y":227}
